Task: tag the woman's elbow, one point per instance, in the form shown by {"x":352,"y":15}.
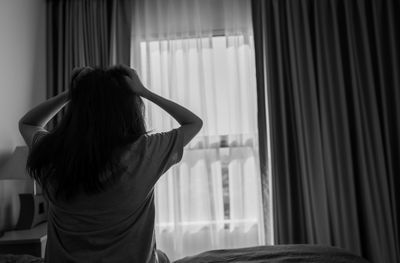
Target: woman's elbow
{"x":199,"y":124}
{"x":21,"y":125}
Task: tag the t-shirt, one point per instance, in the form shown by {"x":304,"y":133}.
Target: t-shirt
{"x":116,"y":225}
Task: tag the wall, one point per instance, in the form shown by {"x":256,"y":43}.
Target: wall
{"x":23,"y":85}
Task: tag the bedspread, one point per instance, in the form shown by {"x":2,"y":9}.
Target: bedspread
{"x":259,"y":254}
{"x":276,"y":254}
{"x":8,"y":258}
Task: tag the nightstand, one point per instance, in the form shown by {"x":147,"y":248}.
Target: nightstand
{"x":29,"y":242}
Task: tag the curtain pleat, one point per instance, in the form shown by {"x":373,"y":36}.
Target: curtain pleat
{"x":85,"y":33}
{"x":121,"y":32}
{"x":331,"y":72}
{"x":262,"y":120}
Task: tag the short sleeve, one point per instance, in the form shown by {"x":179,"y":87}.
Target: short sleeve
{"x":164,"y":149}
{"x":38,"y":136}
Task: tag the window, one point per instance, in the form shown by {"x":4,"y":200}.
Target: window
{"x":212,"y":199}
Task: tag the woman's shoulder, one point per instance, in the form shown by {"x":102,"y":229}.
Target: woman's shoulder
{"x":143,"y":145}
{"x":155,"y":147}
{"x":134,"y":148}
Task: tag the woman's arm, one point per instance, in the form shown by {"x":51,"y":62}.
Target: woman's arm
{"x":190,"y":123}
{"x":36,"y":119}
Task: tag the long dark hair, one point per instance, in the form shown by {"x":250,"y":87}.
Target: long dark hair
{"x":103,"y":115}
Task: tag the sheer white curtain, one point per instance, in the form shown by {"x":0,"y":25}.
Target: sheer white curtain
{"x":200,"y":53}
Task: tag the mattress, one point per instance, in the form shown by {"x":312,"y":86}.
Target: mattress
{"x":276,"y":254}
{"x":8,"y":258}
{"x":259,"y":254}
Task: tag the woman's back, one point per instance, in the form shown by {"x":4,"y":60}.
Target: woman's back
{"x":116,"y":225}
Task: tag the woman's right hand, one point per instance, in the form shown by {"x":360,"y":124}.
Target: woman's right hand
{"x":134,"y":81}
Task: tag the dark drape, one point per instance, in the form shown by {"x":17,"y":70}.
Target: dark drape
{"x":262,"y":121}
{"x":331,"y":72}
{"x":84,"y":33}
{"x":121,"y":32}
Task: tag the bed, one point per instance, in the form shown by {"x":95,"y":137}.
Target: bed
{"x":9,"y":258}
{"x":259,"y":254}
{"x":276,"y":254}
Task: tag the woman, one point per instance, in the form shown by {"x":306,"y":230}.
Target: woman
{"x":98,"y":167}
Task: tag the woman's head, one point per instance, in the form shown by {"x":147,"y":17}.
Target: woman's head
{"x":101,"y":101}
{"x":103,"y":115}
